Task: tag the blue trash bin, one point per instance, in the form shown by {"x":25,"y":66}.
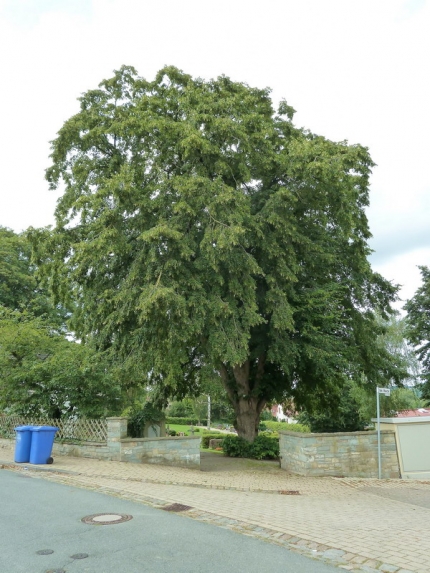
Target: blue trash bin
{"x":23,"y":444}
{"x":41,"y":444}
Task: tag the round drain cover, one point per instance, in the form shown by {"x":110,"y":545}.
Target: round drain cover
{"x":79,"y":556}
{"x":55,"y":571}
{"x":44,"y":552}
{"x":106,"y":518}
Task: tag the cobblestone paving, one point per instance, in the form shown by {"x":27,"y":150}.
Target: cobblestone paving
{"x":361,"y":526}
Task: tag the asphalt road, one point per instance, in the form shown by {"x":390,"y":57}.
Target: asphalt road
{"x":39,"y":515}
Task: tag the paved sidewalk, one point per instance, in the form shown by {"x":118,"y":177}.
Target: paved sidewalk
{"x":359,"y":525}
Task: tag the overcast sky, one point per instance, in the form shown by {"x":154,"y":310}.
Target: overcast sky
{"x":353,"y":69}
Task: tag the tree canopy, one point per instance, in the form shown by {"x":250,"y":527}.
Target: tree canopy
{"x":202,"y":234}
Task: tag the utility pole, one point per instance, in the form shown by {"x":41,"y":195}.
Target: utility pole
{"x":385,"y":391}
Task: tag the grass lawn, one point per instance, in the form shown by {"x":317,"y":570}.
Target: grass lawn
{"x":186,"y":429}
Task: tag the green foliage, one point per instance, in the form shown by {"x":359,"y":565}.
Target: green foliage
{"x":267,"y":416}
{"x":284,"y":426}
{"x":43,"y":373}
{"x":140,"y":416}
{"x":341,"y":415}
{"x":355,"y":407}
{"x":418,"y":328}
{"x":19,"y":288}
{"x":263,"y":447}
{"x":17,"y":281}
{"x":399,"y":399}
{"x":180,"y":409}
{"x":352,"y":406}
{"x":201,"y":235}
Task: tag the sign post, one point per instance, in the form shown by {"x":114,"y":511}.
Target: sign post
{"x":385,"y":391}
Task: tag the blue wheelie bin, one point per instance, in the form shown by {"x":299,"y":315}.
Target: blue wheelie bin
{"x":23,"y":443}
{"x":41,"y":444}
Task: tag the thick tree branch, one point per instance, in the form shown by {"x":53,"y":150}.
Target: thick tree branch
{"x":226,"y":383}
{"x":241,"y":375}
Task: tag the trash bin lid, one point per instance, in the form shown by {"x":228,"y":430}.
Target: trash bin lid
{"x":44,"y":429}
{"x":23,"y":428}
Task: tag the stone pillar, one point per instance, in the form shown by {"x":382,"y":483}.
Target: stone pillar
{"x":116,"y":431}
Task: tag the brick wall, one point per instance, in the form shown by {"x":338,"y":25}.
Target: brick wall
{"x":349,"y":454}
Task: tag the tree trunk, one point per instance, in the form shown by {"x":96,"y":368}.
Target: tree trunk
{"x":242,"y":394}
{"x":248,"y":412}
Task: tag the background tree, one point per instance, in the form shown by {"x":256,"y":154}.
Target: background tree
{"x":44,"y":374}
{"x":200,"y":233}
{"x":17,"y":283}
{"x":418,"y":328}
{"x":352,"y":407}
{"x":19,"y":287}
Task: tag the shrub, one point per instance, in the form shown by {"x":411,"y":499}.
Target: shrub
{"x":171,"y":432}
{"x":183,"y":421}
{"x":266,"y":415}
{"x":263,"y":447}
{"x":269,"y":434}
{"x":284,"y":426}
{"x":207,"y":437}
{"x":140,"y":416}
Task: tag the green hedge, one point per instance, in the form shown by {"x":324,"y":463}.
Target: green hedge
{"x":184,"y":421}
{"x":263,"y":447}
{"x":284,"y":426}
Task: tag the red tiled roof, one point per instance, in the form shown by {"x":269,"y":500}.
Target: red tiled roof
{"x":413,"y":413}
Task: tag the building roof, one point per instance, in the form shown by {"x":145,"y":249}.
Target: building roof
{"x":413,"y":413}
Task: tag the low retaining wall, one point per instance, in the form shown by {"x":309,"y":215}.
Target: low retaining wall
{"x":6,"y":444}
{"x":343,"y":454}
{"x":183,"y":451}
{"x":95,"y":450}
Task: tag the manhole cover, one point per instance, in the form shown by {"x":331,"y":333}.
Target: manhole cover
{"x":176,"y":507}
{"x":55,"y":571}
{"x":44,"y":552}
{"x":106,"y":519}
{"x":79,"y":556}
{"x":289,"y":492}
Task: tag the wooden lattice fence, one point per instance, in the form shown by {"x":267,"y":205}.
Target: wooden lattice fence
{"x":81,"y":430}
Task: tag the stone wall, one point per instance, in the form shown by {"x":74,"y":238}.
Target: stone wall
{"x":97,"y":451}
{"x":6,"y":444}
{"x":346,"y":454}
{"x":172,"y":451}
